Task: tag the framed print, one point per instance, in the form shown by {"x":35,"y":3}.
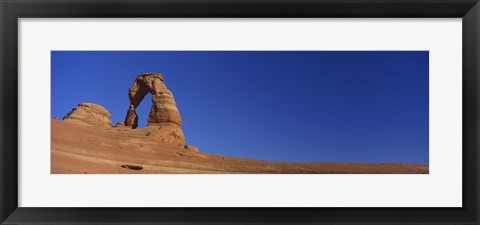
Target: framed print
{"x":255,"y":112}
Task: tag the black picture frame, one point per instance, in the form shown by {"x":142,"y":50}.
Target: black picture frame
{"x":12,"y":10}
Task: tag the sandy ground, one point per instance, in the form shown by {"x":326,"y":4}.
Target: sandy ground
{"x":81,"y":149}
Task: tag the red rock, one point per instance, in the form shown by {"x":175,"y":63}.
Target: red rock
{"x":164,"y":121}
{"x":164,"y":109}
{"x":192,"y":148}
{"x":90,"y":114}
{"x":132,"y":118}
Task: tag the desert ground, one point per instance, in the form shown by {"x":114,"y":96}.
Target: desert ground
{"x":84,"y":149}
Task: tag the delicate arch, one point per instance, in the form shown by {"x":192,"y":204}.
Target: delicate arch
{"x":164,"y":108}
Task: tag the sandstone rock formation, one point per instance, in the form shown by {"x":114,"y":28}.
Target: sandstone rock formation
{"x":90,"y":114}
{"x":164,"y":121}
{"x":164,"y":109}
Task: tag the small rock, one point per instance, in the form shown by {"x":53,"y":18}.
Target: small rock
{"x":192,"y":148}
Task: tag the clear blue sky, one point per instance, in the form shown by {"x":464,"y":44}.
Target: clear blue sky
{"x":300,"y":106}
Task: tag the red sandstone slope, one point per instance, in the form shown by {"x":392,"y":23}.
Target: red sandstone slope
{"x":78,"y":149}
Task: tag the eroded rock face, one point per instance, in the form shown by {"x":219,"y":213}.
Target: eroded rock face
{"x":166,"y":132}
{"x":164,"y":108}
{"x":132,"y":118}
{"x":90,"y":114}
{"x":164,"y":121}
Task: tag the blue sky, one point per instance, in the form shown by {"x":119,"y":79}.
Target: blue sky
{"x":295,"y":106}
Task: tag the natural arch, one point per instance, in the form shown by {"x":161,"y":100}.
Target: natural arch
{"x":164,"y":108}
{"x":164,"y":122}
